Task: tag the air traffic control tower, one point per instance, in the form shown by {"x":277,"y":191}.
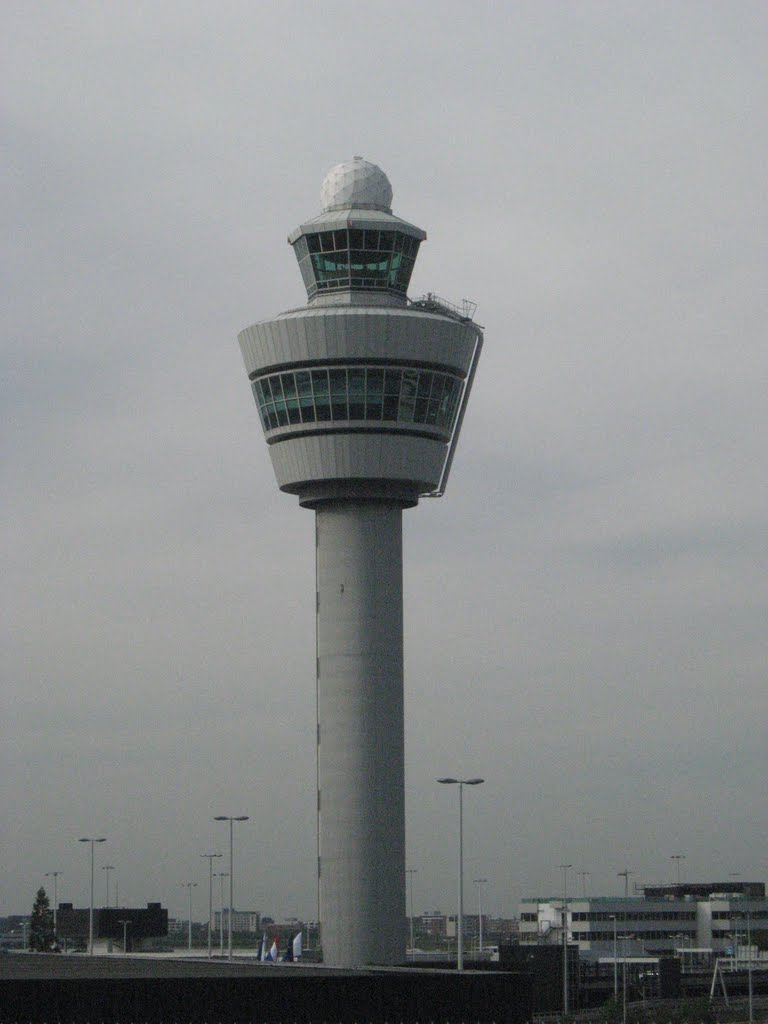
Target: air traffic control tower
{"x":361,"y":395}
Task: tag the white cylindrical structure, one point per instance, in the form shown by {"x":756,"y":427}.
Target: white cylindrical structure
{"x":360,"y":731}
{"x":361,"y":395}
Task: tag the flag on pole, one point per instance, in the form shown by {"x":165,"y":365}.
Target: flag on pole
{"x":296,"y":947}
{"x":272,"y":954}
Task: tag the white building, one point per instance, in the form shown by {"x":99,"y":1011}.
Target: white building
{"x":242,"y":921}
{"x":660,"y":920}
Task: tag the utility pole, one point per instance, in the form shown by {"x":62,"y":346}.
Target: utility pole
{"x":625,"y":875}
{"x":210,"y":857}
{"x":564,"y":868}
{"x":677,"y":857}
{"x":55,"y":876}
{"x":410,"y":872}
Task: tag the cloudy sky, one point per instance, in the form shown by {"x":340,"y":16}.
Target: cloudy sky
{"x":586,"y":606}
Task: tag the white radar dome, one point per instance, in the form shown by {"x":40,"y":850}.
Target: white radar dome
{"x":356,"y":183}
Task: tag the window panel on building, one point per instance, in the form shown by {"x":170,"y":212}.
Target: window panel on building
{"x":342,"y":394}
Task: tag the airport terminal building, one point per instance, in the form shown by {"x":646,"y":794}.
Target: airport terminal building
{"x":656,"y":921}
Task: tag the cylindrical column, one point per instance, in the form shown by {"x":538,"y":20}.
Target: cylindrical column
{"x":360,"y":731}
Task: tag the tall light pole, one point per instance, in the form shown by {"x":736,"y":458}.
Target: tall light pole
{"x":55,"y":876}
{"x":564,"y":868}
{"x":677,"y":857}
{"x":480,"y":882}
{"x":615,"y":960}
{"x":749,"y":964}
{"x":189,"y":887}
{"x":231,"y":819}
{"x":107,"y":868}
{"x":410,"y":872}
{"x":125,"y":935}
{"x":221,"y":876}
{"x":90,"y":913}
{"x":625,"y":875}
{"x":210,"y":858}
{"x":461,"y":783}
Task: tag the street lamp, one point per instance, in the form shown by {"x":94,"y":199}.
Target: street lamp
{"x":231,"y":819}
{"x":410,"y":872}
{"x":210,"y":858}
{"x":677,"y":857}
{"x":108,"y":868}
{"x":749,"y":965}
{"x":480,"y":882}
{"x":55,"y":876}
{"x":615,"y":962}
{"x":564,"y":869}
{"x":221,"y":876}
{"x":90,"y":913}
{"x":125,"y":935}
{"x":189,"y":887}
{"x":461,"y":783}
{"x":624,"y":978}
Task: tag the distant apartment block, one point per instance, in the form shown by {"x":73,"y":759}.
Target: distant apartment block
{"x":242,"y":921}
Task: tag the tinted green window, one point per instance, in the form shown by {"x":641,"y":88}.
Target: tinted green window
{"x":291,"y":398}
{"x":340,"y":394}
{"x":356,"y":394}
{"x":322,"y":395}
{"x":391,"y":393}
{"x":338,"y":380}
{"x":356,"y":258}
{"x":304,"y":393}
{"x":408,"y":395}
{"x":374,"y":394}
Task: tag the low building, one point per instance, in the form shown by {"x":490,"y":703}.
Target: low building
{"x":658,"y":921}
{"x":248,"y":921}
{"x":111,"y":923}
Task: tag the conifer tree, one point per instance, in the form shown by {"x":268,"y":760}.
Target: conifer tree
{"x":41,"y":935}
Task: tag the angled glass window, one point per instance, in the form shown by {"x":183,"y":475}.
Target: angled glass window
{"x":306,"y":400}
{"x":356,"y":377}
{"x":374,"y":394}
{"x":322,"y":394}
{"x":356,"y":258}
{"x":339,"y":406}
{"x":344,"y":394}
{"x":408,"y":389}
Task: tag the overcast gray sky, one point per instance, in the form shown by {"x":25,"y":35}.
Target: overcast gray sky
{"x":585,"y":608}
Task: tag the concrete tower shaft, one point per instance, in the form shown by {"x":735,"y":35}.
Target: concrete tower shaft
{"x":360,"y":731}
{"x":361,"y":395}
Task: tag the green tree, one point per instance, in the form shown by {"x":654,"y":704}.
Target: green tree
{"x":41,"y":936}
